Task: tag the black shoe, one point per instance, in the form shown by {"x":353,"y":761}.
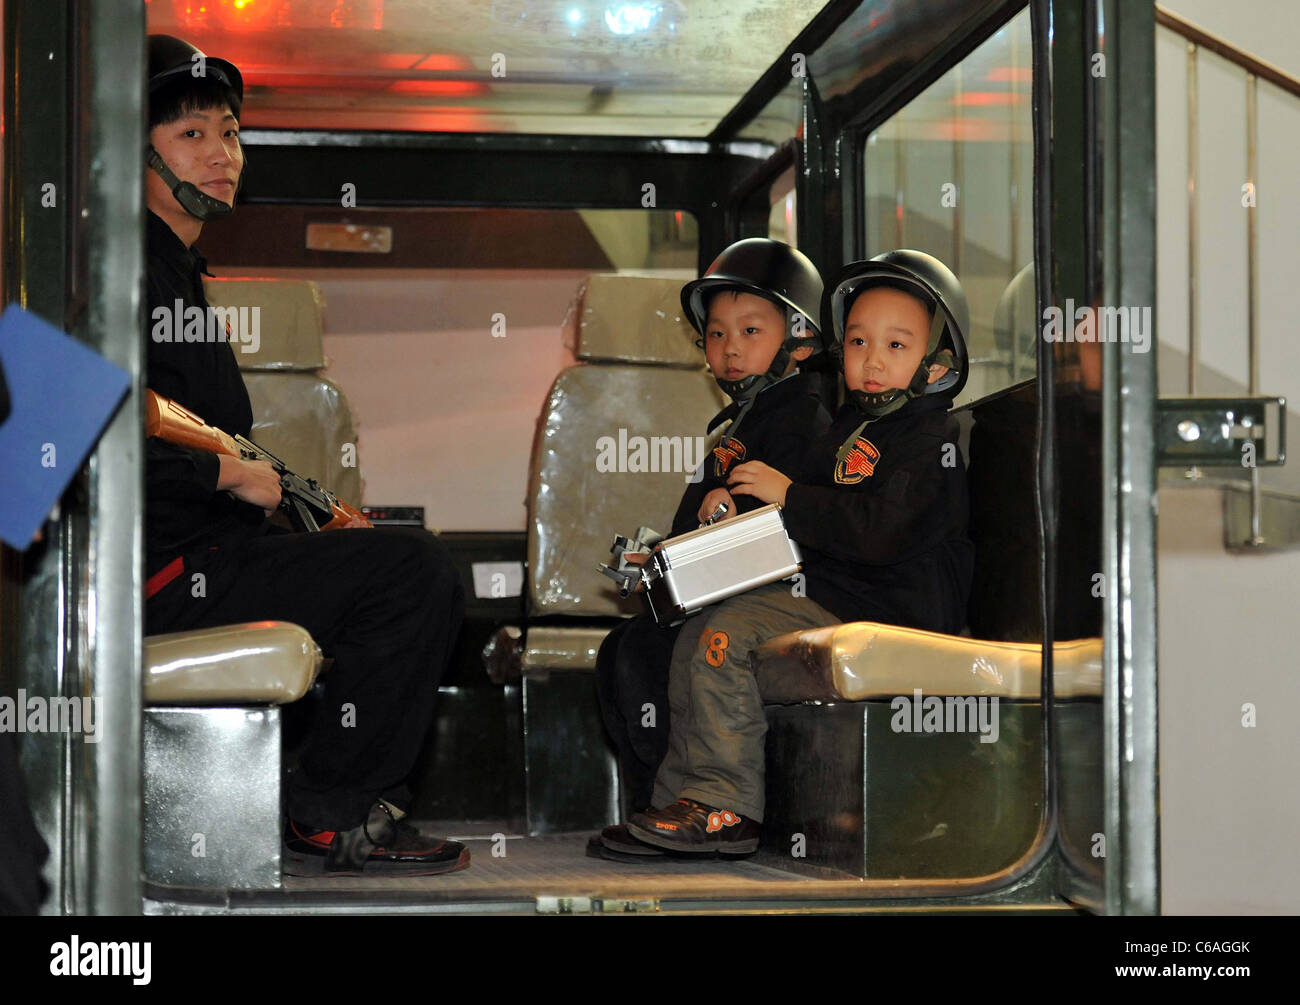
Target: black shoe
{"x":382,"y":845}
{"x":688,"y":826}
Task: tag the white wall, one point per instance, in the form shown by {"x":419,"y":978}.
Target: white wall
{"x":1221,"y":218}
{"x":1227,"y":623}
{"x":1227,"y":636}
{"x":445,"y":410}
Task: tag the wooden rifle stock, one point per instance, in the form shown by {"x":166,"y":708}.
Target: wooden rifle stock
{"x":307,"y":505}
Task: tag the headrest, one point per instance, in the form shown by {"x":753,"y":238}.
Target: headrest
{"x":631,"y":319}
{"x":286,"y":328}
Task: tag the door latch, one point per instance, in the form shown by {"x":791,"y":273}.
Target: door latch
{"x":1221,"y":432}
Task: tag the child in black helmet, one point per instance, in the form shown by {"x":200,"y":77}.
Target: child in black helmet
{"x":756,"y":309}
{"x":881,"y":519}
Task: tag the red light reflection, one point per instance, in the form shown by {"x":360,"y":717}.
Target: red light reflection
{"x":986,"y":99}
{"x":1011,"y":75}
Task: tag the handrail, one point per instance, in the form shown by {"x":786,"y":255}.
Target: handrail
{"x":1197,"y":39}
{"x":1201,"y":37}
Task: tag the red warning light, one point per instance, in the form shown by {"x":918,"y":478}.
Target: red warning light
{"x":261,"y":15}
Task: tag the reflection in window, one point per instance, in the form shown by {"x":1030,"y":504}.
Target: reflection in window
{"x":782,"y":223}
{"x":951,"y":175}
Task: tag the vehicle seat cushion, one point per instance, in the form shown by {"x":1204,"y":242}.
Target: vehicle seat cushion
{"x":632,"y":319}
{"x":261,"y":662}
{"x":305,"y":421}
{"x":290,"y":327}
{"x":866,"y":660}
{"x":598,"y":417}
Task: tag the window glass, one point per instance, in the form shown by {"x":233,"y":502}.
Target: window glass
{"x":782,"y":221}
{"x":638,"y":67}
{"x":446,"y":347}
{"x":951,"y":175}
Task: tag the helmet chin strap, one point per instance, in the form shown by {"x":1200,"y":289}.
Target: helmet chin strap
{"x":877,"y":404}
{"x":198,"y":204}
{"x":743,"y":392}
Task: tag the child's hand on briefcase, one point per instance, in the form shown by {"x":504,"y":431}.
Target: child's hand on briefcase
{"x":754,"y":478}
{"x":711,"y":502}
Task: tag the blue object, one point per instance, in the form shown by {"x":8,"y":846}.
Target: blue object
{"x":62,"y":395}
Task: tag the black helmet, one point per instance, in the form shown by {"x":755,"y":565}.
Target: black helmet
{"x":928,"y":278}
{"x":768,"y":268}
{"x":171,"y":59}
{"x":776,"y":272}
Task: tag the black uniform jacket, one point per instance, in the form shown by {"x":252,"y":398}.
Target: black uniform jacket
{"x":884,"y":532}
{"x":786,"y":420}
{"x":185,"y":515}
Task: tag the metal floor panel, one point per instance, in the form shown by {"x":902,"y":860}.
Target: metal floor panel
{"x":552,"y":874}
{"x":557,"y":865}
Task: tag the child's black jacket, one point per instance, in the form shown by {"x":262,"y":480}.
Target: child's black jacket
{"x":884,"y":533}
{"x":787,"y":419}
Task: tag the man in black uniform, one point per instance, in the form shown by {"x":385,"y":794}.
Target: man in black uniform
{"x":385,"y":604}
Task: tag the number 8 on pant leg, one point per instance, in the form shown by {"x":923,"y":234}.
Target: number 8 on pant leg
{"x":716,"y":653}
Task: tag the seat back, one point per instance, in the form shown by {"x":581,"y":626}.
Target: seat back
{"x":300,"y":416}
{"x":1001,"y":474}
{"x":619,"y":435}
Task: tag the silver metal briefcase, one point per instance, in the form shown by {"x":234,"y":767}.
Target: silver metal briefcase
{"x":686,"y":574}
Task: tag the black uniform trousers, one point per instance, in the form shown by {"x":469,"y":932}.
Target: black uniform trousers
{"x":386,"y":604}
{"x":632,"y":683}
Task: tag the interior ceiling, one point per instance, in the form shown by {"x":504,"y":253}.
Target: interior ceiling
{"x":648,"y":67}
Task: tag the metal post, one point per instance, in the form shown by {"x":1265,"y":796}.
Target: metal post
{"x":1192,"y":334}
{"x":958,"y":173}
{"x":1126,"y":129}
{"x":107,"y":814}
{"x":1252,"y":280}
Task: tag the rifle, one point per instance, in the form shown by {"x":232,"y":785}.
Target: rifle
{"x":307,"y":505}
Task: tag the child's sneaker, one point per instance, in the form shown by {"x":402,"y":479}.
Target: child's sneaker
{"x":689,"y":826}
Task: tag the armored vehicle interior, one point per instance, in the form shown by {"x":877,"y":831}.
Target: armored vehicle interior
{"x":466,"y":225}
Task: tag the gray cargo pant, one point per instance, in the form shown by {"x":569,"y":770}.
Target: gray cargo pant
{"x":716,"y":722}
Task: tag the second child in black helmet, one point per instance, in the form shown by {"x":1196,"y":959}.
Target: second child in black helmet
{"x":756,"y":311}
{"x":879,"y":510}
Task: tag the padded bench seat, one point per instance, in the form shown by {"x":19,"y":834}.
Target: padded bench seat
{"x":212,"y":773}
{"x":863,"y":660}
{"x":258,"y":663}
{"x":854,"y":788}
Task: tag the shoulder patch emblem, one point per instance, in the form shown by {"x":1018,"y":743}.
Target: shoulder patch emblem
{"x":729,"y":451}
{"x":859,"y":464}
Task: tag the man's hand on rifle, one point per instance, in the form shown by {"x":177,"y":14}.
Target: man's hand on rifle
{"x":254,"y":482}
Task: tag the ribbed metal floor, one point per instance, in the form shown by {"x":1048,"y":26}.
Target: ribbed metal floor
{"x":558,"y":866}
{"x":553,"y":875}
